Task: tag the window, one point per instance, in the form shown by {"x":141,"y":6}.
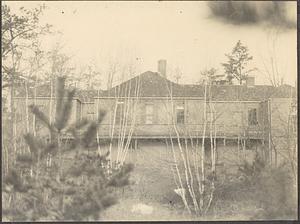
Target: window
{"x":90,"y":112}
{"x":149,"y":114}
{"x":252,"y":116}
{"x":90,"y":115}
{"x":180,"y":113}
{"x":119,"y":112}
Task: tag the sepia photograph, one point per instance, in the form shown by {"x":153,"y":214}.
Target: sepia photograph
{"x":149,"y":111}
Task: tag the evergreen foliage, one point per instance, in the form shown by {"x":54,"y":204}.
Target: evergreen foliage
{"x":75,"y":189}
{"x":273,"y":187}
{"x":238,"y":59}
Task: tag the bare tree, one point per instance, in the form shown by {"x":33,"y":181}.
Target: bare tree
{"x":178,"y":74}
{"x":17,"y":31}
{"x":125,"y":112}
{"x":208,"y":75}
{"x":271,"y":68}
{"x":275,"y":75}
{"x":194,"y":178}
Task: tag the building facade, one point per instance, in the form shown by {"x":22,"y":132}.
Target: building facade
{"x":150,"y":106}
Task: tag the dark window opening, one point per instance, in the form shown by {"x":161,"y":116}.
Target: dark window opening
{"x":180,"y":114}
{"x":252,"y":117}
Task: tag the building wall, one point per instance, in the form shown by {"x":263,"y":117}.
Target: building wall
{"x":44,"y":106}
{"x":280,"y":110}
{"x":231,"y":118}
{"x":264,"y":118}
{"x":135,"y":116}
{"x":284,"y":128}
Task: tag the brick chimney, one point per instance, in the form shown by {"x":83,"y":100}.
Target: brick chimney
{"x":250,"y":81}
{"x":162,"y":67}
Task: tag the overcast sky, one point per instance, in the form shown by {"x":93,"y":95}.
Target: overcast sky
{"x":183,"y":33}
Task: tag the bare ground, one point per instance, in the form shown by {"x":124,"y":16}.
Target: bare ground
{"x":153,"y":185}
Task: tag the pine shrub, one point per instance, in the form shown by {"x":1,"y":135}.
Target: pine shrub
{"x":80,"y":191}
{"x":274,"y":189}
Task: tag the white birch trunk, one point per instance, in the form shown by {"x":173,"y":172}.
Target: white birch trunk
{"x":26,"y":105}
{"x":51,"y":97}
{"x":34,"y":99}
{"x":97,"y":112}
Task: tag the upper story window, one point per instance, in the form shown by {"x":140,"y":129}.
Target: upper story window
{"x":252,"y":117}
{"x":180,"y":113}
{"x":90,"y":115}
{"x":89,"y":111}
{"x":149,"y":113}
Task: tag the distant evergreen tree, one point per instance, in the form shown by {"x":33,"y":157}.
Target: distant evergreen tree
{"x":235,"y":68}
{"x":57,"y":190}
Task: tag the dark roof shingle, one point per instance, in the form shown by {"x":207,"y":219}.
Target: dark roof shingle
{"x":151,"y":84}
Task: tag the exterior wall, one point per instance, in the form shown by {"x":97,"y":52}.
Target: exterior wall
{"x":162,"y":118}
{"x":281,"y":122}
{"x":231,"y":118}
{"x":264,"y":118}
{"x":280,"y":110}
{"x":135,"y":116}
{"x":44,"y":106}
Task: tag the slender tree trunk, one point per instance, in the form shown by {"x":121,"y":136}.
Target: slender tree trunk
{"x":179,"y":178}
{"x":12,"y":93}
{"x":27,"y":111}
{"x":213,"y":157}
{"x":185,"y":158}
{"x":34,"y":100}
{"x":15,"y":133}
{"x":6,"y":160}
{"x":60,"y":162}
{"x":26,"y":105}
{"x":133,"y":103}
{"x":201,"y":186}
{"x":51,"y":97}
{"x":97,"y":112}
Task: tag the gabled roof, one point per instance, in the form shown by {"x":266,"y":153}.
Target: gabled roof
{"x":152,"y":84}
{"x":147,"y":84}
